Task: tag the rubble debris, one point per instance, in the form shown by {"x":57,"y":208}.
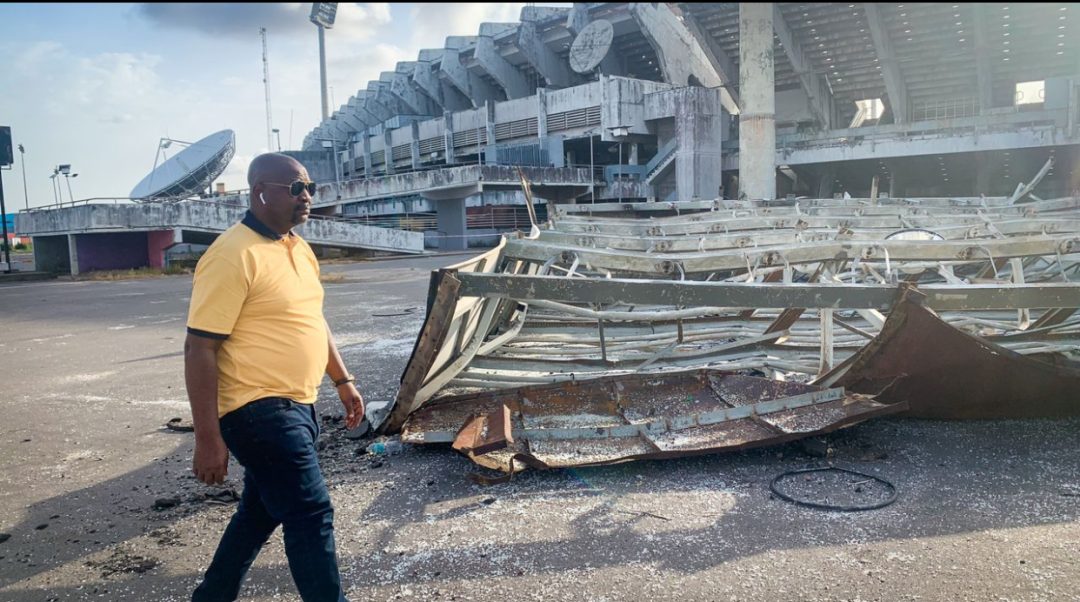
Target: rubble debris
{"x":164,"y":503}
{"x":832,"y":292}
{"x":816,"y":447}
{"x":181,"y":425}
{"x":618,"y":418}
{"x":124,"y":562}
{"x":221,"y":496}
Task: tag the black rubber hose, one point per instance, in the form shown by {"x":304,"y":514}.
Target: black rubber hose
{"x":776,"y":491}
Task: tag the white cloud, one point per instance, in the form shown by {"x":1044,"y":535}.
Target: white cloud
{"x":103,"y":107}
{"x":104,"y":113}
{"x":432,"y":23}
{"x":117,"y":87}
{"x":361,"y":20}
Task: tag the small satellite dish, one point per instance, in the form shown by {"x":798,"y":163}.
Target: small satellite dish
{"x":591,"y":45}
{"x":190,"y":171}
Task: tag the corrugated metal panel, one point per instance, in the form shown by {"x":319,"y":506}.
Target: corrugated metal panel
{"x":401,"y":151}
{"x":431,"y":145}
{"x":466,"y":138}
{"x":378,"y":157}
{"x":576,"y":118}
{"x":516,"y":129}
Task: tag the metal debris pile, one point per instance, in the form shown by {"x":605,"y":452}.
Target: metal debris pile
{"x":617,"y":331}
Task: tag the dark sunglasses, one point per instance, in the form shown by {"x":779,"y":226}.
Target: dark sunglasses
{"x":297,"y":187}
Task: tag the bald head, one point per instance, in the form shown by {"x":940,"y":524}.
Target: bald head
{"x":273,"y":167}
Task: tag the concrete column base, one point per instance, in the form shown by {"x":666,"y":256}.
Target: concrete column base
{"x":450,"y":217}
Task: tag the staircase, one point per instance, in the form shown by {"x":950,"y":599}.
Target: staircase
{"x":665,"y":157}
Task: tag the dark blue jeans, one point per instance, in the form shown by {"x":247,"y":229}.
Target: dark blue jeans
{"x":274,"y":440}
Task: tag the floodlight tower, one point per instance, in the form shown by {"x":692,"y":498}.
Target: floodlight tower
{"x":322,"y":15}
{"x":266,"y":85}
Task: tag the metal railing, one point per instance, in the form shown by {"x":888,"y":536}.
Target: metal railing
{"x":428,"y":222}
{"x":949,"y":108}
{"x":103,"y":200}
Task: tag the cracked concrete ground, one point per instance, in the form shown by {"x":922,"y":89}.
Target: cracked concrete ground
{"x":91,"y":371}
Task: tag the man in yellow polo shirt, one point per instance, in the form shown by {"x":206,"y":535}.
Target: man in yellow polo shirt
{"x":256,"y":350}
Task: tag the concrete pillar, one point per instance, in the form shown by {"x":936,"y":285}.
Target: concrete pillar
{"x":986,"y":165}
{"x":414,"y":145}
{"x":699,"y":132}
{"x":489,"y":125}
{"x":367,"y":154}
{"x":73,"y":254}
{"x":896,"y":180}
{"x":157,"y":242}
{"x":757,"y":121}
{"x":448,"y":136}
{"x":634,"y":154}
{"x":825,"y":182}
{"x":541,"y":113}
{"x":450,"y":220}
{"x":388,"y":151}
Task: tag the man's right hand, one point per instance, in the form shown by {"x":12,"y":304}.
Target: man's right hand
{"x":211,"y":462}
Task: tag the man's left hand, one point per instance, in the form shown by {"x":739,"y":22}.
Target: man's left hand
{"x":354,"y":405}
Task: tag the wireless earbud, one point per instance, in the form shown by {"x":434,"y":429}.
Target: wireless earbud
{"x":261,"y":198}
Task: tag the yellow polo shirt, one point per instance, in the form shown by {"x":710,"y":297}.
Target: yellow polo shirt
{"x":259,"y":292}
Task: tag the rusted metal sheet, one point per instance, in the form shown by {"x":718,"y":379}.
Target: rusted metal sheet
{"x":943,"y":372}
{"x":485,"y":433}
{"x":622,"y":418}
{"x":441,"y":303}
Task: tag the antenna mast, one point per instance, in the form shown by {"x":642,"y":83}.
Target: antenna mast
{"x":266,"y":84}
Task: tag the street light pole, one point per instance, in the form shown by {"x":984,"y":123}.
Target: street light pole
{"x":56,"y":200}
{"x":68,"y":178}
{"x":22,"y":156}
{"x":7,"y":243}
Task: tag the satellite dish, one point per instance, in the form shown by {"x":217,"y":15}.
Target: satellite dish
{"x":591,"y":45}
{"x":190,"y":171}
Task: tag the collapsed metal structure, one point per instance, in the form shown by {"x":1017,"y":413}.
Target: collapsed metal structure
{"x":622,"y":331}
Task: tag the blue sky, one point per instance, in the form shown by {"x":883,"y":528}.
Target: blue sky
{"x":97,"y":85}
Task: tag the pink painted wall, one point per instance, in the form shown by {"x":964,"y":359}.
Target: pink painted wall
{"x":156,"y":243}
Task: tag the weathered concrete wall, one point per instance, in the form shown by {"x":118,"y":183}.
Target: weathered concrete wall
{"x":568,"y":99}
{"x":793,"y":106}
{"x":399,"y":206}
{"x":432,"y":128}
{"x":515,"y":110}
{"x":468,"y":120}
{"x":460,"y":181}
{"x":623,"y":106}
{"x":51,"y":254}
{"x":206,"y":217}
{"x":699,"y":132}
{"x":319,"y":164}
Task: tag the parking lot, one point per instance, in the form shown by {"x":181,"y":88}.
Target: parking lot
{"x":92,"y":370}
